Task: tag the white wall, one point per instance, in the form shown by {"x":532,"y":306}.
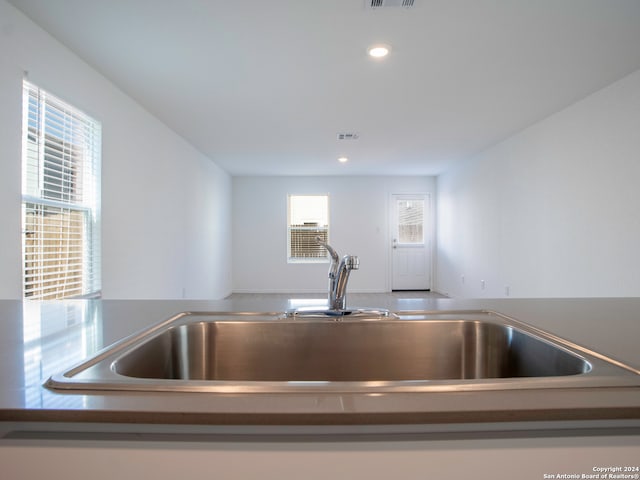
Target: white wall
{"x":553,"y":211}
{"x":358,"y":220}
{"x":166,"y":207}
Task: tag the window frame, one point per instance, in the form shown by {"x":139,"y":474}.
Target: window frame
{"x":403,"y":219}
{"x":61,"y":163}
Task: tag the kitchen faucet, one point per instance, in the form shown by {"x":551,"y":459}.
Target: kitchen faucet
{"x":339,"y":271}
{"x":338,"y":276}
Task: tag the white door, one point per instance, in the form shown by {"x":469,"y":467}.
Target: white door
{"x":410,"y":252}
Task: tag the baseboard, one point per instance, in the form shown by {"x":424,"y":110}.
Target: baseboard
{"x":299,"y":292}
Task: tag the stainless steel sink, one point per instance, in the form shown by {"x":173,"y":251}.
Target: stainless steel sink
{"x":345,"y":352}
{"x":418,"y":351}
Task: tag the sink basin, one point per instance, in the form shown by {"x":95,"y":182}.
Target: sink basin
{"x":410,"y":351}
{"x":346,"y":352}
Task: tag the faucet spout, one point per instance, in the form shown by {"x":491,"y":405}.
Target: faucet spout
{"x":338,"y":276}
{"x":333,"y":269}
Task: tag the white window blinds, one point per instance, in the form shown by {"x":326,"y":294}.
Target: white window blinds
{"x":60,"y":198}
{"x":410,"y":215}
{"x":308,"y":218}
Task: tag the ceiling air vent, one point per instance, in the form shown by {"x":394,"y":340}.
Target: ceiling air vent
{"x":348,"y":136}
{"x":389,"y":3}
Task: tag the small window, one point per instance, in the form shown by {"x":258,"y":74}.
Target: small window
{"x":60,"y":198}
{"x":410,"y":214}
{"x":308,"y":218}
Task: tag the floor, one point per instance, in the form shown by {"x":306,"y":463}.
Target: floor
{"x":402,"y":300}
{"x":390,"y":295}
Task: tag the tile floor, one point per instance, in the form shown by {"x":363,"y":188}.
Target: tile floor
{"x":401,"y":300}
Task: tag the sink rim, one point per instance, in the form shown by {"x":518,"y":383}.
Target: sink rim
{"x":97,"y":373}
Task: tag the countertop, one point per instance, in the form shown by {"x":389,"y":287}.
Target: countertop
{"x":38,"y":339}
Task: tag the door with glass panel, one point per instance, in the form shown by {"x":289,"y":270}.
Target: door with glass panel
{"x":410,"y":242}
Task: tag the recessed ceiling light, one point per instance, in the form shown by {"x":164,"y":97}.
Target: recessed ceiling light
{"x":343,"y":159}
{"x":379,"y":51}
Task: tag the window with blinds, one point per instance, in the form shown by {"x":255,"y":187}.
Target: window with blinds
{"x":60,"y":198}
{"x":410,"y":214}
{"x":308,"y":218}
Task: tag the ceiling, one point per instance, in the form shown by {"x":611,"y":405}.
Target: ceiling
{"x":263,"y":87}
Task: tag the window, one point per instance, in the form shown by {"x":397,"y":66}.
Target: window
{"x":60,"y":198}
{"x":308,"y":218}
{"x":410,"y":214}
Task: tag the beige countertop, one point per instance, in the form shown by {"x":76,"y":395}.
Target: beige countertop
{"x":38,"y":339}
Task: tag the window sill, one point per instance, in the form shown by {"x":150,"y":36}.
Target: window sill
{"x":307,"y":260}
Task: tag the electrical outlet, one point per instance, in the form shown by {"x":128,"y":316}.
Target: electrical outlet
{"x":507,"y":290}
{"x":482,"y":284}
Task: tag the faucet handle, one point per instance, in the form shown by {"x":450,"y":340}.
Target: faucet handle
{"x":352,"y":262}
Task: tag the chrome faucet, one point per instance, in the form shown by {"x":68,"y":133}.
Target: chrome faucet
{"x":338,"y":276}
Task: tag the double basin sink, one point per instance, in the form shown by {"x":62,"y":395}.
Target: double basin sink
{"x":407,"y":352}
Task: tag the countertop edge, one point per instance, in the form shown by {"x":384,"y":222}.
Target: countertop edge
{"x":311,"y":418}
